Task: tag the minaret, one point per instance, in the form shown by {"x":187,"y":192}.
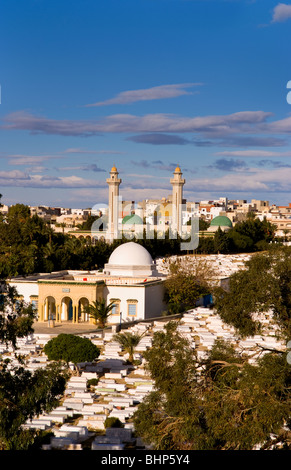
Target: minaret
{"x":177,"y":182}
{"x":113,"y":202}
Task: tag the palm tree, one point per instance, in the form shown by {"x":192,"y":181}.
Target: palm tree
{"x":129,"y":341}
{"x":99,"y":311}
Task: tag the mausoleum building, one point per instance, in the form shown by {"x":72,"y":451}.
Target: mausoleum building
{"x":129,"y":279}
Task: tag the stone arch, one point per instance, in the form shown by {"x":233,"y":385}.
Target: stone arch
{"x":49,"y":308}
{"x":88,"y":240}
{"x":67,"y":308}
{"x":82,"y":303}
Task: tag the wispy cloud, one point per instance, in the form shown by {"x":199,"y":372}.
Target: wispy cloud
{"x":93,"y":152}
{"x":157,"y":164}
{"x":217,"y":126}
{"x":253,"y":153}
{"x":269,"y":180}
{"x":20,"y":159}
{"x":148,"y":94}
{"x":273,"y":163}
{"x":21,"y":120}
{"x":160,"y":165}
{"x":17,"y":178}
{"x":89,"y":167}
{"x":159,"y":139}
{"x":281,"y":12}
{"x":224,"y":164}
{"x":273,"y":180}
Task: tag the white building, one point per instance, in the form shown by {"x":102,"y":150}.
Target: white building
{"x":130,"y":280}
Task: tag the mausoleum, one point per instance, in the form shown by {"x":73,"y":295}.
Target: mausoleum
{"x":130,"y":279}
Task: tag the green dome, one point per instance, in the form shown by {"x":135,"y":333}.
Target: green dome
{"x":221,"y":221}
{"x":132,"y":219}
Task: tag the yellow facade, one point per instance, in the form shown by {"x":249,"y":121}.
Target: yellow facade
{"x":65,"y":300}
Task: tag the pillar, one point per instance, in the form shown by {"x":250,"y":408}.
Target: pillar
{"x":46,"y":310}
{"x":58,"y":313}
{"x":74,"y":319}
{"x":41,"y":316}
{"x":177,"y":199}
{"x":113,"y":203}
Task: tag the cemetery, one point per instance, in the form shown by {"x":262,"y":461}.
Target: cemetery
{"x":121,"y":387}
{"x":80,"y":420}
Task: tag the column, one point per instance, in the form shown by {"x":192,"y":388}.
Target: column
{"x":41,"y":312}
{"x":74,"y":314}
{"x":113,"y":203}
{"x":46,"y":314}
{"x":177,"y":199}
{"x":58,"y":317}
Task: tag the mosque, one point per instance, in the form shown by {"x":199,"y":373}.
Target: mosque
{"x":130,"y":279}
{"x":124,"y":218}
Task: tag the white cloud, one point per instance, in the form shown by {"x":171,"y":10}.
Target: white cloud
{"x":97,"y":152}
{"x":21,"y":179}
{"x":147,"y":94}
{"x":20,"y":159}
{"x":253,"y":153}
{"x":215,"y":126}
{"x":253,"y":179}
{"x":281,"y":12}
{"x":13,"y":175}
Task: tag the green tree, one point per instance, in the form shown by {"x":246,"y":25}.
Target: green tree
{"x":99,"y":311}
{"x":16,"y":317}
{"x":230,"y":402}
{"x":221,"y":241}
{"x":129,"y":341}
{"x":252,"y":234}
{"x":71,"y":348}
{"x":23,"y":394}
{"x":203,"y":224}
{"x":87,"y":225}
{"x":19,"y":211}
{"x":264,"y":285}
{"x":220,"y":403}
{"x":189,"y":280}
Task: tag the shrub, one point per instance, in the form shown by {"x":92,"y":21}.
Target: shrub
{"x":113,"y":423}
{"x":92,"y":382}
{"x":71,"y":348}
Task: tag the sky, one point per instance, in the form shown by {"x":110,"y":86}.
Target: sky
{"x":144,"y":85}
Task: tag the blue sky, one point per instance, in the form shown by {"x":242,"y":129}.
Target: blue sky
{"x":144,"y":85}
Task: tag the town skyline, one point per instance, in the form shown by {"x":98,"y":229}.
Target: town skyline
{"x":145,"y":86}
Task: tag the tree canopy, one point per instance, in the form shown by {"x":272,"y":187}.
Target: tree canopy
{"x":189,"y":280}
{"x":71,"y":348}
{"x":16,"y":317}
{"x":28,"y":244}
{"x":250,"y":235}
{"x":23,"y":394}
{"x":225,"y":401}
{"x":219,"y":403}
{"x":264,"y":285}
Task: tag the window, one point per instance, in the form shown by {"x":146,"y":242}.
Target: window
{"x":34,"y":301}
{"x":131,"y":307}
{"x":116,"y":306}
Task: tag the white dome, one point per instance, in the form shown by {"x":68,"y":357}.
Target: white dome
{"x":130,"y":254}
{"x":130,"y":259}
